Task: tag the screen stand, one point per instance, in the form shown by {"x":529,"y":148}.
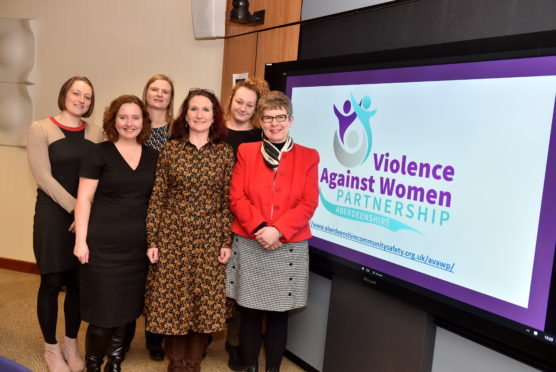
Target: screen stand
{"x":371,"y":331}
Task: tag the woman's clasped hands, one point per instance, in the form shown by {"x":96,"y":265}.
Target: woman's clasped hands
{"x":269,"y":238}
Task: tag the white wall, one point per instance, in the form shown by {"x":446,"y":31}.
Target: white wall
{"x":118,"y":44}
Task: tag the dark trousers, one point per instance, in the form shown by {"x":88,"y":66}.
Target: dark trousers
{"x":153,"y":341}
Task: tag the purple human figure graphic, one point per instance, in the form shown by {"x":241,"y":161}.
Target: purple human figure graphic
{"x":345,"y":119}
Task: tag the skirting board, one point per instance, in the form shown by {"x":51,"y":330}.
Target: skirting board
{"x":17,"y":265}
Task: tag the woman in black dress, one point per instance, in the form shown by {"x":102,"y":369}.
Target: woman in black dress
{"x":55,"y":146}
{"x":115,"y":184}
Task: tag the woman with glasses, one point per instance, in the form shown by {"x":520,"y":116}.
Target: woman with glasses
{"x":188,"y":233}
{"x":273,"y":194}
{"x":243,"y":126}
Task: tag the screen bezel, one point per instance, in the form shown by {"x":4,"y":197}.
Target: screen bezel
{"x":493,"y":331}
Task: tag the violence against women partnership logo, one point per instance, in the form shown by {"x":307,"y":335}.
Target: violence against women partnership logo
{"x":380,"y":198}
{"x":349,"y":148}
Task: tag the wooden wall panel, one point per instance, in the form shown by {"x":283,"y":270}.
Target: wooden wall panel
{"x":239,"y":56}
{"x":276,"y":45}
{"x":278,"y":13}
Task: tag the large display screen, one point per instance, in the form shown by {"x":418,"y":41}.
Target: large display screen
{"x":440,"y":175}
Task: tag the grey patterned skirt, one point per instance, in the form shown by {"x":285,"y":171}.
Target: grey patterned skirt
{"x":268,"y":280}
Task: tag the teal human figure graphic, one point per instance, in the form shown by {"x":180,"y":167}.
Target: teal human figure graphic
{"x":364,"y":115}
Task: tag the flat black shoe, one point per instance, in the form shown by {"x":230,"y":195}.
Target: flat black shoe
{"x":157,"y":354}
{"x":234,"y":362}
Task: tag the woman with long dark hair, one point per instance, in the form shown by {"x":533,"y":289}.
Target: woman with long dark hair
{"x":189,"y":238}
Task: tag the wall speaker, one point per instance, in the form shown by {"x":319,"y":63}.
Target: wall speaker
{"x":209,"y":18}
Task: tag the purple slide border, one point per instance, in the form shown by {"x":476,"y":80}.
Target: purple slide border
{"x":535,"y":314}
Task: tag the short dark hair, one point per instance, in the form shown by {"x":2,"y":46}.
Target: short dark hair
{"x":109,"y":120}
{"x":218,"y":129}
{"x":66,"y":87}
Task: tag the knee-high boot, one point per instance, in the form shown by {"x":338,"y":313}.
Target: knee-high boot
{"x":195,"y":346}
{"x":175,"y":350}
{"x":129,"y":334}
{"x":96,"y":342}
{"x":116,"y":349}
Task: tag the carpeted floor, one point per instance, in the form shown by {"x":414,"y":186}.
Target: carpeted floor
{"x":21,"y":340}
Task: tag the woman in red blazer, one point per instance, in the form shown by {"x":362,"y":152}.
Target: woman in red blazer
{"x":273,"y":195}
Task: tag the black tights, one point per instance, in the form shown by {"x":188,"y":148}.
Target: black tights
{"x":251,"y":336}
{"x":47,"y":304}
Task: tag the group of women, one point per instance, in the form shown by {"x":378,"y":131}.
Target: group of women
{"x":172,"y":219}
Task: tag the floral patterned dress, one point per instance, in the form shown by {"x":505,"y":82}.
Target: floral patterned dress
{"x":189,"y":221}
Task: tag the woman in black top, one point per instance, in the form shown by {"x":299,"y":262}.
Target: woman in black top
{"x":55,"y":146}
{"x":116,"y":180}
{"x":240,"y":118}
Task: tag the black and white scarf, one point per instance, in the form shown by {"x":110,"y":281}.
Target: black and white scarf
{"x":271,"y":153}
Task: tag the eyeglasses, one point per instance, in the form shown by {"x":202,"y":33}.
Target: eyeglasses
{"x":200,"y":90}
{"x":279,"y":118}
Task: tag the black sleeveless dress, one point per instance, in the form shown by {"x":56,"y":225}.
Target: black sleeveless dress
{"x":52,"y":242}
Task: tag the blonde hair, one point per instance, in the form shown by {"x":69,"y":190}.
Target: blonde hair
{"x":170,"y":108}
{"x":257,"y":85}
